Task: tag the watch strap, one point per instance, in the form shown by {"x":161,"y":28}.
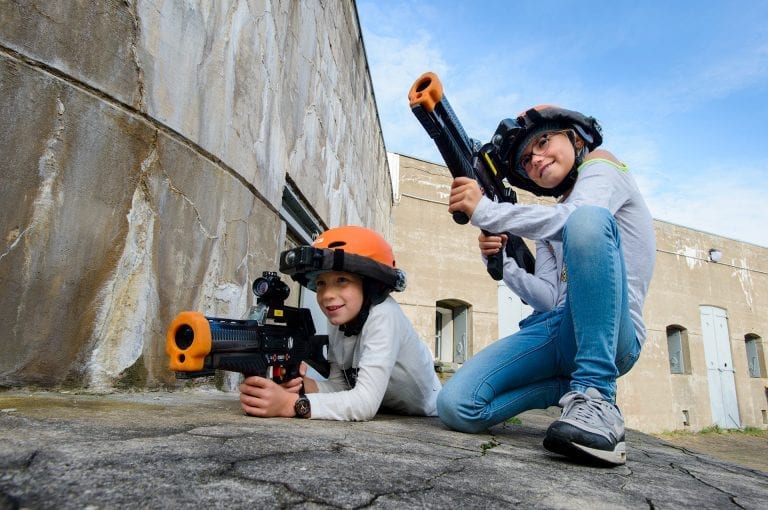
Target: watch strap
{"x":301,"y":407}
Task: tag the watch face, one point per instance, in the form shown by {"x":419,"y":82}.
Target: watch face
{"x":302,"y":407}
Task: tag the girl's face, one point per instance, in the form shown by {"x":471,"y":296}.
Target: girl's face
{"x":548,"y":158}
{"x":340,"y":296}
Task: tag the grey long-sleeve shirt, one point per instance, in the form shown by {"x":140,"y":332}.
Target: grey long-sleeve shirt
{"x":600,"y":183}
{"x":395,"y":371}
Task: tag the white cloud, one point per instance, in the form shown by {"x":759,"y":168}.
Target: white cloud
{"x":643,"y":113}
{"x":727,"y":203}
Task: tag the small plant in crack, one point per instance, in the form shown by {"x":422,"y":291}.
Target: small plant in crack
{"x":488,"y":445}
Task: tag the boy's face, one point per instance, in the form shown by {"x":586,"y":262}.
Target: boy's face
{"x":548,"y":159}
{"x":340,"y":296}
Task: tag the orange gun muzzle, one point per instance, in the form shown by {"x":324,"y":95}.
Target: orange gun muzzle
{"x":426,"y":91}
{"x":188,"y":342}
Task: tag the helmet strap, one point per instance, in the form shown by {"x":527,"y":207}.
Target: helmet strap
{"x":579,"y":154}
{"x":374,"y":292}
{"x":566,"y":184}
{"x":307,"y":259}
{"x":355,"y":326}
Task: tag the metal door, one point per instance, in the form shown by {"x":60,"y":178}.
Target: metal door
{"x":460,"y":334}
{"x":720,"y":373}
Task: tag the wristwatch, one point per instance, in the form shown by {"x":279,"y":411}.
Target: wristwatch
{"x":302,"y":407}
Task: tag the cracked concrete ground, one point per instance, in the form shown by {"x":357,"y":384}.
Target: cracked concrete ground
{"x":195,"y":449}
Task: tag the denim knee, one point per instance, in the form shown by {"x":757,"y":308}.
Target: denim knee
{"x":587,"y":226}
{"x":455,"y":412}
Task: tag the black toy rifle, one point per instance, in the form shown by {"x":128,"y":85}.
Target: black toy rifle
{"x":272,"y":342}
{"x":466,"y":157}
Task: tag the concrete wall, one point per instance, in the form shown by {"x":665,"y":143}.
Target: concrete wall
{"x":442,"y":261}
{"x":425,"y":244}
{"x":684,"y":280}
{"x":146,"y":147}
{"x":440,"y":256}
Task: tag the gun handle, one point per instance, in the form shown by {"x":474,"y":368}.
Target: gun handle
{"x":460,"y":218}
{"x":495,"y":266}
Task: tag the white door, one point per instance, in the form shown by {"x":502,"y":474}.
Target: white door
{"x":460,"y":334}
{"x":511,"y":311}
{"x":720,"y":373}
{"x":444,"y":334}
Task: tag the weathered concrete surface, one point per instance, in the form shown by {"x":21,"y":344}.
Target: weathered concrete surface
{"x":146,"y":149}
{"x":197,"y":450}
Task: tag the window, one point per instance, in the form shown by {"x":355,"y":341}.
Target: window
{"x":755,"y":356}
{"x":677,"y":345}
{"x":451,"y":331}
{"x":443,"y":335}
{"x":301,"y":227}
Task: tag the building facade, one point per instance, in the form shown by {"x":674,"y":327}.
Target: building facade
{"x":703,"y":362}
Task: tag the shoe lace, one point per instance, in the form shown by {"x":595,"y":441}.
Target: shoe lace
{"x":585,"y":408}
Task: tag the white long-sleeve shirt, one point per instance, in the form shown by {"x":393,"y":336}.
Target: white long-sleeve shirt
{"x":395,"y":370}
{"x":600,"y":183}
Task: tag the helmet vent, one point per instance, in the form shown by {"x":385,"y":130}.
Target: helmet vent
{"x":337,"y":244}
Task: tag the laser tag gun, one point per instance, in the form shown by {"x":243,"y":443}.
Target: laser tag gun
{"x":272,"y":342}
{"x":466,"y":157}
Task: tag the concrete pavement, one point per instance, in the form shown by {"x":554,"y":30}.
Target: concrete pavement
{"x":196,"y":449}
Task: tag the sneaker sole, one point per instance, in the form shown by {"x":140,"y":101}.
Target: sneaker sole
{"x":582,"y":453}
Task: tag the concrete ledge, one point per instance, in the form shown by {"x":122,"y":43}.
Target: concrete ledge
{"x":196,"y":449}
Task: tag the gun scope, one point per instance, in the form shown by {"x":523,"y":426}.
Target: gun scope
{"x":270,"y":288}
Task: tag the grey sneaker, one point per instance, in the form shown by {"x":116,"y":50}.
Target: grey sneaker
{"x":589,"y":429}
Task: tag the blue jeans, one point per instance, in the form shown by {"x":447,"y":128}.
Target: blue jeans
{"x":587,"y":342}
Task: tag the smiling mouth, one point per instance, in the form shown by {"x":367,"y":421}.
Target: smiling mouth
{"x":333,"y":308}
{"x":543,"y":168}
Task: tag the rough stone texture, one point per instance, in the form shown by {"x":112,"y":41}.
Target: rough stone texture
{"x":146,"y":145}
{"x":197,"y":450}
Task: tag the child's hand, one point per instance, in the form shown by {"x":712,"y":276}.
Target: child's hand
{"x":491,"y":244}
{"x":265,"y":398}
{"x":310,"y":386}
{"x":465,"y":195}
{"x":294,"y":385}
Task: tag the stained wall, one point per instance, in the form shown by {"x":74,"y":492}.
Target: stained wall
{"x":146,"y":149}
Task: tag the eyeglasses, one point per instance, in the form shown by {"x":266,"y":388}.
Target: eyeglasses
{"x":539,"y":147}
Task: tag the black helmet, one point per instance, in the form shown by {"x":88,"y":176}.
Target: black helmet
{"x":513,"y":135}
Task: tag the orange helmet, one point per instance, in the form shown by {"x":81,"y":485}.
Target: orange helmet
{"x":351,"y":249}
{"x":358,"y":240}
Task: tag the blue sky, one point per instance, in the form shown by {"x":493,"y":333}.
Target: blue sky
{"x":680,"y":88}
